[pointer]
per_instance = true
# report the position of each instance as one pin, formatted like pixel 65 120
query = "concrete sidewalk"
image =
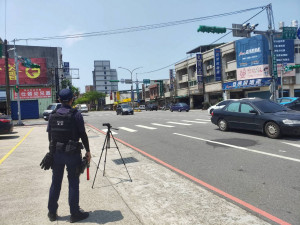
pixel 157 195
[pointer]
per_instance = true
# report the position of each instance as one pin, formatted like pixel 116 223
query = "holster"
pixel 73 147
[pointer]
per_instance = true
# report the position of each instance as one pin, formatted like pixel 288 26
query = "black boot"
pixel 52 216
pixel 80 215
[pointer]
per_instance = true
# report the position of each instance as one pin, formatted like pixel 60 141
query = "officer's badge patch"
pixel 60 123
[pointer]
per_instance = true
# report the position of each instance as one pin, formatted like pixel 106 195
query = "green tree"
pixel 91 97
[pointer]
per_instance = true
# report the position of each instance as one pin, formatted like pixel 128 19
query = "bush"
pixel 205 105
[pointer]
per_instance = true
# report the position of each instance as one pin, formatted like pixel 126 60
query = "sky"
pixel 150 49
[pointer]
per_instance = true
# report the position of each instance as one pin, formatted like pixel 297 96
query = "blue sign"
pixel 218 64
pixel 251 51
pixel 171 79
pixel 284 51
pixel 66 69
pixel 199 68
pixel 260 82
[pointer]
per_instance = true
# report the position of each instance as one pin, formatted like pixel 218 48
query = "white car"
pixel 219 105
pixel 142 107
pixel 82 108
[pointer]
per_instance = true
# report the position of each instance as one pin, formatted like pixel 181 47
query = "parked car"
pixel 151 107
pixel 124 109
pixel 6 124
pixel 219 105
pixel 142 107
pixel 257 114
pixel 290 102
pixel 50 109
pixel 82 108
pixel 166 107
pixel 181 106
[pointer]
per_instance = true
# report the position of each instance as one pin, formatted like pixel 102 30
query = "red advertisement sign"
pixel 30 93
pixel 26 75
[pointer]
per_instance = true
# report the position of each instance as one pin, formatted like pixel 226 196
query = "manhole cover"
pixel 126 160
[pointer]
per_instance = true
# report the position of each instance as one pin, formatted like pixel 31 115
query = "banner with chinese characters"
pixel 218 64
pixel 33 93
pixel 261 82
pixel 26 75
pixel 199 65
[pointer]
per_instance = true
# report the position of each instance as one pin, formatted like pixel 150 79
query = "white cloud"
pixel 71 41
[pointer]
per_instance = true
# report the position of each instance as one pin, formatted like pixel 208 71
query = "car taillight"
pixel 4 120
pixel 212 113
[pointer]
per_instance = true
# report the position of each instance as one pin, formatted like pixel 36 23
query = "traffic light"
pixel 213 29
pixel 17 88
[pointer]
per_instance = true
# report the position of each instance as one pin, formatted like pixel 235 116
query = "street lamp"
pixel 131 71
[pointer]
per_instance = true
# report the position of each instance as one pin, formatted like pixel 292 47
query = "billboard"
pixel 26 75
pixel 199 65
pixel 33 93
pixel 251 51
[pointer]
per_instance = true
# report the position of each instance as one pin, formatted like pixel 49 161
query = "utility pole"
pixel 17 84
pixel 8 111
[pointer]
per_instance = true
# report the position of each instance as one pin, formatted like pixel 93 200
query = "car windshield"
pixel 84 105
pixel 268 106
pixel 183 104
pixel 125 106
pixel 51 107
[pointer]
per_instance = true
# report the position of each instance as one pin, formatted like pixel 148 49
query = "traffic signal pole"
pixel 8 111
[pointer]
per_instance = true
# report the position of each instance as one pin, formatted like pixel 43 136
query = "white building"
pixel 102 75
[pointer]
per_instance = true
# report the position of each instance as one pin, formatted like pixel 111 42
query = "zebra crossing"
pixel 168 124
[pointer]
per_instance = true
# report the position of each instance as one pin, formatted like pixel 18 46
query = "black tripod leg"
pixel 104 144
pixel 107 146
pixel 121 156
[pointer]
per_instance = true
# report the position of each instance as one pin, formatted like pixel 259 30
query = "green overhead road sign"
pixel 289 32
pixel 146 81
pixel 291 67
pixel 114 81
pixel 212 29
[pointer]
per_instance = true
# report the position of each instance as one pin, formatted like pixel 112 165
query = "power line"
pixel 139 28
pixel 152 71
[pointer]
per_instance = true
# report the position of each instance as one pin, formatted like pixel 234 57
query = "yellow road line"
pixel 14 148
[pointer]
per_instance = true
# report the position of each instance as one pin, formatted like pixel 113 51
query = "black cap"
pixel 65 95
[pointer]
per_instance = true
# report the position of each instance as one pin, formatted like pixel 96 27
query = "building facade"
pixel 38 87
pixel 102 75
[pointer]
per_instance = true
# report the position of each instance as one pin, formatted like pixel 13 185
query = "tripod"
pixel 106 146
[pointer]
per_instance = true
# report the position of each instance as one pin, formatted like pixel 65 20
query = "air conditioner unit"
pixel 209 67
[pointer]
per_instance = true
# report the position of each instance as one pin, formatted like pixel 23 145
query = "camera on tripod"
pixel 106 124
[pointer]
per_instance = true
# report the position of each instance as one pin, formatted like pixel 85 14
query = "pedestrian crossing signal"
pixel 17 88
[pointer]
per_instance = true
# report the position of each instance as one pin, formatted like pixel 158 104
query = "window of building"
pixel 105 87
pixel 298 69
pixel 105 77
pixel 297 93
pixel 104 68
pixel 231 75
pixel 297 48
pixel 105 82
pixel 104 72
pixel 209 79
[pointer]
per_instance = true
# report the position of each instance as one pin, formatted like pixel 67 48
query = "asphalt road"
pixel 253 168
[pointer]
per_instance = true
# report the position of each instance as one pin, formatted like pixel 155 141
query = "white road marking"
pixel 127 129
pixel 241 148
pixel 190 121
pixel 186 124
pixel 203 120
pixel 162 125
pixel 150 128
pixel 105 130
pixel 292 144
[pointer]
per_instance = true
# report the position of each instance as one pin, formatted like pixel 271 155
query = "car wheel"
pixel 187 110
pixel 210 111
pixel 272 130
pixel 179 110
pixel 171 110
pixel 223 125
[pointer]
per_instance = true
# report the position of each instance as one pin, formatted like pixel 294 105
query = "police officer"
pixel 65 128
